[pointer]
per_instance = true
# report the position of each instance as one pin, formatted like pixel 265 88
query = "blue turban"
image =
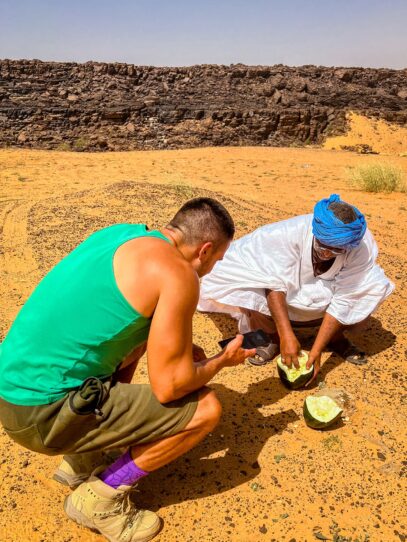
pixel 331 231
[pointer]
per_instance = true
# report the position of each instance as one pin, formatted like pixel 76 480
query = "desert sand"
pixel 383 137
pixel 262 474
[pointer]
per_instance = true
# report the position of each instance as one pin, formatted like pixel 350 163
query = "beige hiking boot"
pixel 75 469
pixel 110 511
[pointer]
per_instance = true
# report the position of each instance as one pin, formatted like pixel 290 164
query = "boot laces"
pixel 124 506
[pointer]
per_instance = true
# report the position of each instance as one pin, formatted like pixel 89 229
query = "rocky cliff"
pixel 100 106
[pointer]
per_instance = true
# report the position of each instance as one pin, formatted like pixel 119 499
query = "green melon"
pixel 321 411
pixel 294 378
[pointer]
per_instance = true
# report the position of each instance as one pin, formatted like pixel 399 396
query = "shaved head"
pixel 201 220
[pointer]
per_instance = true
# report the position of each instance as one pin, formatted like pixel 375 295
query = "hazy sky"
pixel 185 32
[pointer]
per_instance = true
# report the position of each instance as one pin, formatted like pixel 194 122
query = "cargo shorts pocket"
pixel 30 438
pixel 67 428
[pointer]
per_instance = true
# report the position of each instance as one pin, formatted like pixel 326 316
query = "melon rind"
pixel 321 412
pixel 289 376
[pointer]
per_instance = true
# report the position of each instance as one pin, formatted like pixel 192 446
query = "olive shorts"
pixel 131 415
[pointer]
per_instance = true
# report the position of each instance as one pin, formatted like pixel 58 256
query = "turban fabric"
pixel 331 231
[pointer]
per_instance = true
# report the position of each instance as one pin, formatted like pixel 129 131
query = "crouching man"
pixel 312 270
pixel 66 363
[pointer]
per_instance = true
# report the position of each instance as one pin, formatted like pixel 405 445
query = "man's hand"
pixel 290 348
pixel 315 360
pixel 198 353
pixel 233 353
pixel 330 327
pixel 289 345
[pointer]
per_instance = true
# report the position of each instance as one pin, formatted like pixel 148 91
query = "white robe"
pixel 279 257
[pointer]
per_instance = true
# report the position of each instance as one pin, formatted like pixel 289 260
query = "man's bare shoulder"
pixel 146 268
pixel 153 252
pixel 152 256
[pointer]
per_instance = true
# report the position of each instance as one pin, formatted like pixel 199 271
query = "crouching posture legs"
pixel 102 503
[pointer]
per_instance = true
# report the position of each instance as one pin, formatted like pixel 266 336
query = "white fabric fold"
pixel 279 257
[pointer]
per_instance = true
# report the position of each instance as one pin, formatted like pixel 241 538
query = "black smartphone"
pixel 251 339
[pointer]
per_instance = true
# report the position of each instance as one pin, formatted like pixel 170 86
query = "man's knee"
pixel 359 326
pixel 208 412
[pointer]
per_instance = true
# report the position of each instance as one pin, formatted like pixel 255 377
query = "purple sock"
pixel 123 472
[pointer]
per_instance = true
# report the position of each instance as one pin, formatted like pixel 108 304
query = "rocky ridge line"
pixel 102 106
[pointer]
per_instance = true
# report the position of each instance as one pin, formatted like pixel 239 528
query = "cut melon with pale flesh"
pixel 321 411
pixel 292 377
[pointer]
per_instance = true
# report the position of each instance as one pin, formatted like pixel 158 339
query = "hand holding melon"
pixel 290 348
pixel 292 377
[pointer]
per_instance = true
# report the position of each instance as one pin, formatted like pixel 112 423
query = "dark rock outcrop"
pixel 98 106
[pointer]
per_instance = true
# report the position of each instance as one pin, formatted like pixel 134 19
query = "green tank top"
pixel 75 324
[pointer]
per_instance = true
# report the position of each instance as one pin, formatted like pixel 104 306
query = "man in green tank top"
pixel 69 357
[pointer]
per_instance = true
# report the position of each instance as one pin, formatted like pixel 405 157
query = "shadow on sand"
pixel 373 339
pixel 228 457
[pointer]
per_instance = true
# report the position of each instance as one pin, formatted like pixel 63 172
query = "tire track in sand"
pixel 17 261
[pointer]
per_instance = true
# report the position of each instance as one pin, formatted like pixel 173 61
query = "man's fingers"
pixel 316 371
pixel 236 351
pixel 290 359
pixel 240 354
pixel 237 341
pixel 249 353
pixel 286 360
pixel 234 344
pixel 310 381
pixel 311 361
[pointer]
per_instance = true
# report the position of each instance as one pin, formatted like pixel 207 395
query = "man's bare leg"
pixel 341 345
pixel 154 455
pixel 95 502
pixel 258 320
pixel 355 328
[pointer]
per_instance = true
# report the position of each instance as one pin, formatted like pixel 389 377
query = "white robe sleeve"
pixel 268 258
pixel 361 285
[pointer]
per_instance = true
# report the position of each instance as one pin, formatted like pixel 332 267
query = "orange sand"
pixel 383 137
pixel 262 474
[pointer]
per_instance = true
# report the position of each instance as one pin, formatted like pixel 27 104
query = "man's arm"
pixel 329 328
pixel 198 353
pixel 289 345
pixel 172 371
